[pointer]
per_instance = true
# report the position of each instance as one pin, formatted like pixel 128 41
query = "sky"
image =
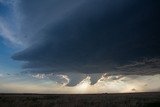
pixel 79 46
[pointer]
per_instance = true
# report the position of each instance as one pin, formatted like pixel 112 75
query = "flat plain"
pixel 81 100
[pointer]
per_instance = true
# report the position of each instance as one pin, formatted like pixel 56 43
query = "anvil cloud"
pixel 88 36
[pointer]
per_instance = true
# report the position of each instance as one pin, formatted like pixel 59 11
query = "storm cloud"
pixel 93 36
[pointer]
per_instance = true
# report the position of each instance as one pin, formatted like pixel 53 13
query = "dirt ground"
pixel 81 100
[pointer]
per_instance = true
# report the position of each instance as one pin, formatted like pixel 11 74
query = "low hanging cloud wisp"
pixel 106 84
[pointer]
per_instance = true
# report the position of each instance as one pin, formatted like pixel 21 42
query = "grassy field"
pixel 80 100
